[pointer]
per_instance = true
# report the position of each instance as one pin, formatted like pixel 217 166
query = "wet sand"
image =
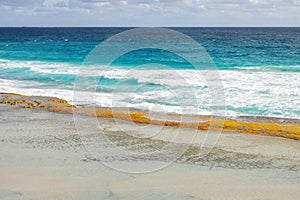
pixel 42 156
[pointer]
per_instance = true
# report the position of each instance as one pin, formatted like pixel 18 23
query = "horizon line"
pixel 177 26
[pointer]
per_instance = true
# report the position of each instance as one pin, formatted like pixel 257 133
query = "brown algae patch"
pixel 288 128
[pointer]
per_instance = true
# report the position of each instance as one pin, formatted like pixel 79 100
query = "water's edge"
pixel 268 126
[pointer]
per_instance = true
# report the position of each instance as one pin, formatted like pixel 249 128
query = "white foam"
pixel 271 93
pixel 41 67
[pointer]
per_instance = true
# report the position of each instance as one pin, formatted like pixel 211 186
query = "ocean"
pixel 258 67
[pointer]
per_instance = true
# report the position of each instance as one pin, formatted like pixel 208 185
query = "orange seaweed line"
pixel 53 104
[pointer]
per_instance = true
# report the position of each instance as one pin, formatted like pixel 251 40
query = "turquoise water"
pixel 259 69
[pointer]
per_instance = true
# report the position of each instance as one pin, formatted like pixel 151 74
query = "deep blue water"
pixel 229 47
pixel 259 68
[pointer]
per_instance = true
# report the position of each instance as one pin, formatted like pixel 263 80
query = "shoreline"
pixel 266 126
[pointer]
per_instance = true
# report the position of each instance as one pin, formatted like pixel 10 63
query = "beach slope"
pixel 42 157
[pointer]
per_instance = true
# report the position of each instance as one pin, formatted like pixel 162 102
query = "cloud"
pixel 62 4
pixel 19 3
pixel 150 12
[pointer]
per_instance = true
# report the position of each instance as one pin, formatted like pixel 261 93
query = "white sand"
pixel 42 157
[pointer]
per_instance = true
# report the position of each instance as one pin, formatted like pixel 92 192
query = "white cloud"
pixel 145 6
pixel 124 3
pixel 256 1
pixel 56 3
pixel 151 12
pixel 297 2
pixel 188 2
pixel 102 3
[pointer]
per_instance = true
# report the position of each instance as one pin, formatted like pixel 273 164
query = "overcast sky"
pixel 149 12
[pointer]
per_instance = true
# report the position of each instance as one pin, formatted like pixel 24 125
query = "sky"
pixel 148 13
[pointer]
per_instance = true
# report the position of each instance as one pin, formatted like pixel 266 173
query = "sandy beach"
pixel 149 100
pixel 44 157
